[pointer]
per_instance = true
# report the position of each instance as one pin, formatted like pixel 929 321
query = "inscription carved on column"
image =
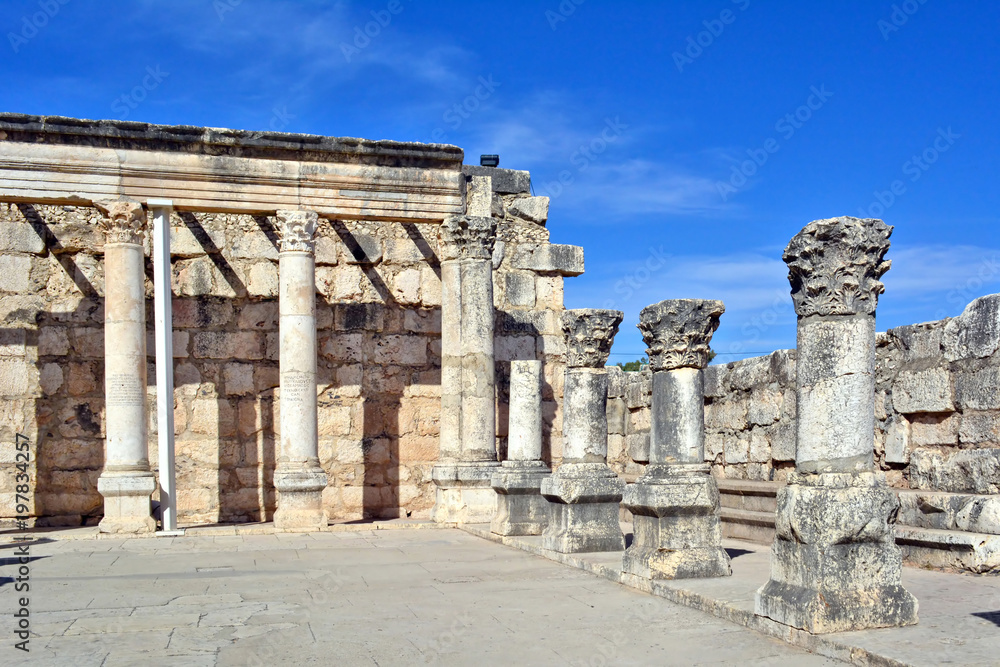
pixel 468 237
pixel 589 334
pixel 296 386
pixel 834 266
pixel 678 332
pixel 297 230
pixel 123 221
pixel 124 390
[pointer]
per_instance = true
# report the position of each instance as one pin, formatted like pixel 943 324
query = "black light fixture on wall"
pixel 489 160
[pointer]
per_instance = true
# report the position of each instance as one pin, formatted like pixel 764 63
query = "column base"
pixel 127 507
pixel 464 493
pixel 835 565
pixel 520 509
pixel 677 530
pixel 300 500
pixel 583 503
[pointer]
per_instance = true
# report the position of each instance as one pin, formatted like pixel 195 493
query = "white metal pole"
pixel 161 209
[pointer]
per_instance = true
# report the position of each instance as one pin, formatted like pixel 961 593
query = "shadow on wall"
pixel 379 369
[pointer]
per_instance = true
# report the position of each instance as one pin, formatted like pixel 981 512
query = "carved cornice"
pixel 678 332
pixel 834 266
pixel 468 237
pixel 123 221
pixel 589 334
pixel 297 230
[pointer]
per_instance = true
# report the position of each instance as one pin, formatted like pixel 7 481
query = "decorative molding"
pixel 834 266
pixel 468 237
pixel 589 334
pixel 678 332
pixel 297 230
pixel 123 221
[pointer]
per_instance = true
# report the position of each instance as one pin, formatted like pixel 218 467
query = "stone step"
pixel 969 512
pixel 748 495
pixel 748 525
pixel 956 549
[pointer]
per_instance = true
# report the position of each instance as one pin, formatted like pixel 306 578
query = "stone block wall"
pixel 937 410
pixel 378 307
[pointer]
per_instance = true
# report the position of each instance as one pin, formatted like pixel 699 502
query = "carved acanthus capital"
pixel 678 332
pixel 834 266
pixel 468 237
pixel 123 221
pixel 589 334
pixel 297 230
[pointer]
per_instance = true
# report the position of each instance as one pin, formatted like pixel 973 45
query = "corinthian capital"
pixel 678 332
pixel 297 230
pixel 468 236
pixel 123 221
pixel 589 333
pixel 834 266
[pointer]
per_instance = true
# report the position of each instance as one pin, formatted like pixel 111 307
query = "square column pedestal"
pixel 464 492
pixel 583 509
pixel 676 524
pixel 520 507
pixel 300 500
pixel 835 565
pixel 127 507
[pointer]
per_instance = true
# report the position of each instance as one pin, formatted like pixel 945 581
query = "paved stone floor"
pixel 387 597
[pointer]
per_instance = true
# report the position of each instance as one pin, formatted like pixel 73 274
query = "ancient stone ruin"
pixel 371 330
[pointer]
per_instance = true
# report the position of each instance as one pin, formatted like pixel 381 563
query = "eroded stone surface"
pixel 678 332
pixel 589 334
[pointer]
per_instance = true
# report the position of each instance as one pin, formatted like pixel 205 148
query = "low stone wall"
pixel 378 300
pixel 937 410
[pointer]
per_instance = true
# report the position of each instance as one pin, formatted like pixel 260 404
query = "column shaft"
pixel 451 360
pixel 524 435
pixel 677 429
pixel 585 420
pixel 478 374
pixel 126 482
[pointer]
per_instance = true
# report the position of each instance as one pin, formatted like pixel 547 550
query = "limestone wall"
pixel 378 296
pixel 937 409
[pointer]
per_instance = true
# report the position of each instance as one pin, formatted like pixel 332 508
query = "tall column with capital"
pixel 468 398
pixel 835 565
pixel 298 477
pixel 675 504
pixel 584 493
pixel 126 483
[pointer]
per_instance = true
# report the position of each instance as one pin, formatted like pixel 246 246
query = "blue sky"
pixel 683 143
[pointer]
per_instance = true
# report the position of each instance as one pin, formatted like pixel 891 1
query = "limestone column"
pixel 126 483
pixel 468 403
pixel 521 510
pixel 298 476
pixel 677 530
pixel 584 493
pixel 835 565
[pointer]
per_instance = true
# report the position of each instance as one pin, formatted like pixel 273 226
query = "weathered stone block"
pixel 737 448
pixel 783 442
pixel 402 350
pixel 638 447
pixel 505 181
pixel 549 292
pixel 507 348
pixel 362 249
pixel 965 471
pixel 238 378
pixel 750 373
pixel 617 414
pixel 326 251
pixel 15 273
pixel 897 441
pixel 979 390
pixel 406 287
pixel 193 241
pixel 923 391
pixel 521 509
pixel 519 288
pixel 765 407
pixel 566 260
pixel 716 381
pixel 934 429
pixel 20 237
pixel 262 280
pixel 979 427
pixel 583 509
pixel 253 245
pixel 532 209
pixel 976 332
pixel 224 345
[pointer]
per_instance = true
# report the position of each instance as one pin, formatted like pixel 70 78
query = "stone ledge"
pixel 950 549
pixel 719 604
pixel 566 260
